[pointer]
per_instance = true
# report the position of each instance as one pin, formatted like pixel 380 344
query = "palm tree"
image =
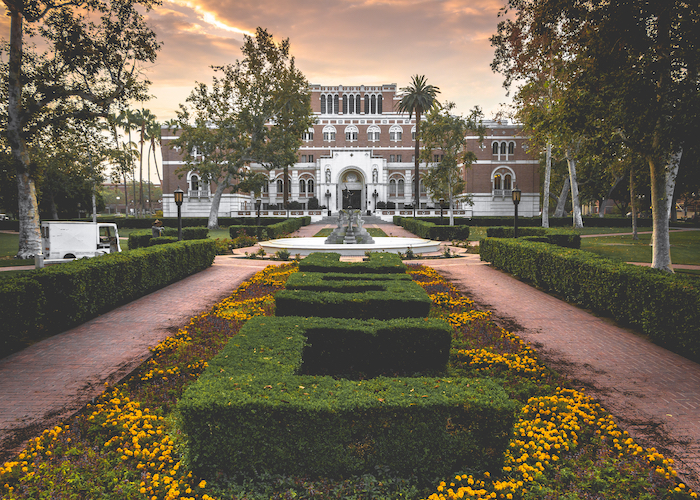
pixel 417 98
pixel 153 134
pixel 142 118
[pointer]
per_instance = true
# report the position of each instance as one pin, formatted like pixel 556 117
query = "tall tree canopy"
pixel 445 135
pixel 255 112
pixel 93 60
pixel 632 70
pixel 418 97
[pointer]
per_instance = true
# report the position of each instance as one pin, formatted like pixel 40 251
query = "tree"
pixel 446 134
pixel 123 153
pixel 256 111
pixel 418 98
pixel 645 72
pixel 89 66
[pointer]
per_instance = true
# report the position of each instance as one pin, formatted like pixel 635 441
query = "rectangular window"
pixel 303 158
pixel 398 158
pixel 311 158
pixel 392 158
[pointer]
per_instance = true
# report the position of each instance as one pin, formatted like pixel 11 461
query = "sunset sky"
pixel 335 42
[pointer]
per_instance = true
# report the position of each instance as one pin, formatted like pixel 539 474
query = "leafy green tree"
pixel 95 50
pixel 639 59
pixel 256 112
pixel 445 134
pixel 418 97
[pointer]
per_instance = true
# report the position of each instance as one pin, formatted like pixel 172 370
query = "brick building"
pixel 360 154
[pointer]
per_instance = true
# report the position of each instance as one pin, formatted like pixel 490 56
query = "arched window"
pixel 503 148
pixel 358 104
pixel 367 108
pixel 395 133
pixel 495 148
pixel 373 133
pixel 392 187
pixel 503 181
pixel 345 104
pixel 506 182
pixel 310 186
pixel 351 104
pixel 374 104
pixel 323 104
pixel 497 181
pixel 329 133
pixel 511 148
pixel 302 186
pixel 379 104
pixel 194 182
pixel 266 187
pixel 335 104
pixel 351 133
pixel 401 187
pixel 422 187
pixel 280 186
pixel 413 133
pixel 308 135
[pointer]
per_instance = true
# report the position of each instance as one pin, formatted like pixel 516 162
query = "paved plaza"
pixel 653 393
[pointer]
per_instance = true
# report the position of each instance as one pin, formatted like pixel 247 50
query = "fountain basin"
pixel 306 246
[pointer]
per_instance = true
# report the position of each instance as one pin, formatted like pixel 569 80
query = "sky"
pixel 334 42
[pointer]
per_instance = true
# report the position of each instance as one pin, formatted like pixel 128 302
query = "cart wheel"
pixel 69 256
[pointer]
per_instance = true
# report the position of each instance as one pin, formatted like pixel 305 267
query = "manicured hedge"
pixel 665 307
pixel 270 231
pixel 535 221
pixel 162 240
pixel 432 231
pixel 396 299
pixel 378 262
pixel 251 413
pixel 58 297
pixel 140 239
pixel 561 237
pixel 337 282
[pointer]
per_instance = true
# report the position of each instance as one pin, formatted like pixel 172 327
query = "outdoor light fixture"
pixel 442 200
pixel 516 200
pixel 179 195
pixel 258 202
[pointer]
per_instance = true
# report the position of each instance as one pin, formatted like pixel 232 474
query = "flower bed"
pixel 123 446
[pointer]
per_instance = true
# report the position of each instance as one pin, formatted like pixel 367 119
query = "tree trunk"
pixel 561 203
pixel 155 162
pixel 416 173
pixel 213 222
pixel 547 182
pixel 633 206
pixel 663 181
pixel 29 225
pixel 141 205
pixel 575 204
pixel 449 193
pixel 126 197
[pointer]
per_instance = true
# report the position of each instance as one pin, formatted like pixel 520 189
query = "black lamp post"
pixel 258 202
pixel 375 195
pixel 442 200
pixel 179 196
pixel 516 200
pixel 328 202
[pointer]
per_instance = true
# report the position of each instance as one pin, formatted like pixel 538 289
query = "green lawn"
pixel 685 247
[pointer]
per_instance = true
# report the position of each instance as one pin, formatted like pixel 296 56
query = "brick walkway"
pixel 654 394
pixel 51 380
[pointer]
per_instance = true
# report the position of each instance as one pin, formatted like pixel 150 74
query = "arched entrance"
pixel 351 189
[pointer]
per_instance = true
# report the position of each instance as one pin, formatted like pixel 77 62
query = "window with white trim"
pixel 329 133
pixel 373 133
pixel 351 133
pixel 395 133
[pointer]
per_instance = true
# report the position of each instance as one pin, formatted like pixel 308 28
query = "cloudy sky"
pixel 335 42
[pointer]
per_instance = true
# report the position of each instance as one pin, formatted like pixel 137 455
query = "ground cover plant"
pixel 685 247
pixel 563 445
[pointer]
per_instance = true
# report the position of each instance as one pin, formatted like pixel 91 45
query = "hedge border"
pixel 663 306
pixel 250 413
pixel 47 301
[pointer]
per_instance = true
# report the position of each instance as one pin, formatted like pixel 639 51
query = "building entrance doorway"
pixel 352 198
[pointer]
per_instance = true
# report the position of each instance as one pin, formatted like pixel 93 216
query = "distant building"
pixel 361 152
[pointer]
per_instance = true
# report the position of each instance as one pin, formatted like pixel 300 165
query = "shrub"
pixel 378 262
pixel 433 231
pixel 162 240
pixel 55 298
pixel 251 412
pixel 663 306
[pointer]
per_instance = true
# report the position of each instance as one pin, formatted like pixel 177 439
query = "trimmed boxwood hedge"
pixel 269 231
pixel 342 282
pixel 536 221
pixel 251 413
pixel 432 231
pixel 663 306
pixel 142 238
pixel 55 298
pixel 329 262
pixel 561 237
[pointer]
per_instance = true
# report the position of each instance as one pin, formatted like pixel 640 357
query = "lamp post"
pixel 375 195
pixel 328 202
pixel 442 200
pixel 516 200
pixel 179 196
pixel 258 202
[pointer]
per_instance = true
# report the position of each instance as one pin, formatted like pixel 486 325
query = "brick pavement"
pixel 653 393
pixel 51 380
